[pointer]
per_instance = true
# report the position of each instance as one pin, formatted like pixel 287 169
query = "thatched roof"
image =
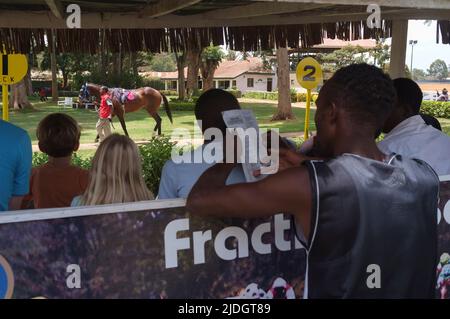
pixel 163 40
pixel 173 25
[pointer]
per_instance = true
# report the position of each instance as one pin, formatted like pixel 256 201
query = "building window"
pixel 224 85
pixel 250 83
pixel 234 85
pixel 173 85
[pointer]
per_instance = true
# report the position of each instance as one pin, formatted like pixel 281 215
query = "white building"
pixel 246 75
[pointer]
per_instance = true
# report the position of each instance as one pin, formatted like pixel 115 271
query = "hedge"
pixel 273 96
pixel 436 109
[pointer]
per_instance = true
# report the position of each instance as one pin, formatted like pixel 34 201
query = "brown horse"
pixel 145 97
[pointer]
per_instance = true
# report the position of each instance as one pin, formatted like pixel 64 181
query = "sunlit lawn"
pixel 140 125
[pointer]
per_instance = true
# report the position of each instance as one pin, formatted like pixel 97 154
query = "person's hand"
pixel 287 158
pixel 307 146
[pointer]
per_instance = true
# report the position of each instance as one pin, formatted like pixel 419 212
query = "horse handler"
pixel 105 114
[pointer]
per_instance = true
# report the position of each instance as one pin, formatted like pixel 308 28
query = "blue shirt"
pixel 177 179
pixel 15 163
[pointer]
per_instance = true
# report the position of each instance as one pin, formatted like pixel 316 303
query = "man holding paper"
pixel 368 219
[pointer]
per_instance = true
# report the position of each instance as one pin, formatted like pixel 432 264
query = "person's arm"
pixel 21 185
pixel 287 192
pixel 168 184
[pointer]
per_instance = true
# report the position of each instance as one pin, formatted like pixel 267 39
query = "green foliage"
pixel 301 97
pixel 42 158
pixel 214 54
pixel 438 69
pixel 169 92
pixel 157 84
pixel 419 74
pixel 163 62
pixel 436 109
pixel 154 155
pixel 342 57
pixel 39 159
pixel 273 96
pixel 381 53
pixel 82 162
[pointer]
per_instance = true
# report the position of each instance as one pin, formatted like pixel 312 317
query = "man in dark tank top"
pixel 368 219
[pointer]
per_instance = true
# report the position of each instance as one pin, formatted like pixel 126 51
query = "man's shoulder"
pixel 12 130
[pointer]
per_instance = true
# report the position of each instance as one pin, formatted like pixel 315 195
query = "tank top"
pixel 373 228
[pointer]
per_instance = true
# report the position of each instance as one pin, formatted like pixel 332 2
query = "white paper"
pixel 245 119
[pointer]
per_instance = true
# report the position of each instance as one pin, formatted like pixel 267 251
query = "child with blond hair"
pixel 116 174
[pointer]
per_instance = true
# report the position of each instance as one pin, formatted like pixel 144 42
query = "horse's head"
pixel 92 89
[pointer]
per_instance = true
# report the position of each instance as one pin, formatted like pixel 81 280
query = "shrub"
pixel 42 158
pixel 301 97
pixel 176 105
pixel 436 109
pixel 154 155
pixel 169 92
pixel 235 92
pixel 273 96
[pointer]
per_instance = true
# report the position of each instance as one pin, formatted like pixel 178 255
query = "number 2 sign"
pixel 309 73
pixel 309 76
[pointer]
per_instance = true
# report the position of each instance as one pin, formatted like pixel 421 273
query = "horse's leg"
pixel 120 113
pixel 158 122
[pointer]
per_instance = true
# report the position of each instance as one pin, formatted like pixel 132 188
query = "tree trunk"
pixel 284 110
pixel 207 70
pixel 54 69
pixel 193 63
pixel 103 59
pixel 181 63
pixel 28 83
pixel 18 98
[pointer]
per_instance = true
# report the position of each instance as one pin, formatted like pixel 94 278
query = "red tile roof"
pixel 226 70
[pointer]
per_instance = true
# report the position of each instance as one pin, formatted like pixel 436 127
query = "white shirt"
pixel 415 139
pixel 177 179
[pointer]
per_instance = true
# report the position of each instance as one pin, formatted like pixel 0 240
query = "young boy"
pixel 103 125
pixel 57 182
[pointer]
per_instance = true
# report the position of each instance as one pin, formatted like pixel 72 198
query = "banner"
pixel 156 250
pixel 443 267
pixel 155 253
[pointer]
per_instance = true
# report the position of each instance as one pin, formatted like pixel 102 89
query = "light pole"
pixel 412 43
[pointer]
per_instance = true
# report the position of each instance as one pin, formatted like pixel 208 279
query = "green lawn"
pixel 140 125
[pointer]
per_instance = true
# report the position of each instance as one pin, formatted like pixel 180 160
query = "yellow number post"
pixel 13 68
pixel 309 76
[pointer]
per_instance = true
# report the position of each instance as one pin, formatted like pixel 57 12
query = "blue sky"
pixel 426 50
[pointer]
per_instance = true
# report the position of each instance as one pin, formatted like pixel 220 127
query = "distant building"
pixel 245 75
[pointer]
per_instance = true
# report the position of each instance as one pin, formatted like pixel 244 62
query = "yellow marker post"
pixel 13 68
pixel 5 103
pixel 309 76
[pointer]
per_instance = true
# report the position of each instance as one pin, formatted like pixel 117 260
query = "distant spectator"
pixel 178 178
pixel 116 174
pixel 15 166
pixel 407 133
pixel 43 94
pixel 444 96
pixel 431 120
pixel 57 182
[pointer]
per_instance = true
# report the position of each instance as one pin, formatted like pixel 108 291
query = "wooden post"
pixel 398 48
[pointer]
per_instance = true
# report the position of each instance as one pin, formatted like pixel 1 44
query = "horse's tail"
pixel 167 107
